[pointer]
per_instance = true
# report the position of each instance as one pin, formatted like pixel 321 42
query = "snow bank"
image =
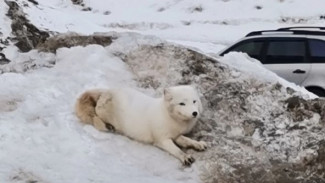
pixel 41 139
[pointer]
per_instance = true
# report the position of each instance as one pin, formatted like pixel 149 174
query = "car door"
pixel 287 58
pixel 316 77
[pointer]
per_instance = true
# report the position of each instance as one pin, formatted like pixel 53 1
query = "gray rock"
pixel 257 131
pixel 73 39
pixel 26 35
pixel 3 59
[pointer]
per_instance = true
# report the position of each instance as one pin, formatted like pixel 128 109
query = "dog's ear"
pixel 193 85
pixel 167 94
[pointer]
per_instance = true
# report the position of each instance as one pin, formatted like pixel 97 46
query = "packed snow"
pixel 40 137
pixel 40 133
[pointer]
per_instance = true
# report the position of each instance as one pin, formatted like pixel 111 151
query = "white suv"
pixel 295 53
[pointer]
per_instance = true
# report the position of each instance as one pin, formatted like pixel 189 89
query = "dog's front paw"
pixel 200 146
pixel 187 160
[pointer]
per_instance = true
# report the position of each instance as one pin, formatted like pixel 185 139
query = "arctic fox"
pixel 158 121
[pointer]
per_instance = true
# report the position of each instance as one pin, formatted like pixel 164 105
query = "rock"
pixel 27 36
pixel 73 39
pixel 27 177
pixel 257 131
pixel 77 2
pixel 33 1
pixel 303 109
pixel 3 59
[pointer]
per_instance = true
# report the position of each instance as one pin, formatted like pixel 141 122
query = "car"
pixel 297 54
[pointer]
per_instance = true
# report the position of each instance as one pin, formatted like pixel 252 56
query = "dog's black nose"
pixel 194 114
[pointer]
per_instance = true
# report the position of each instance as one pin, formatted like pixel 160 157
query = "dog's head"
pixel 183 102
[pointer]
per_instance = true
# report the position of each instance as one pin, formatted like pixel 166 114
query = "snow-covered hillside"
pixel 257 130
pixel 208 24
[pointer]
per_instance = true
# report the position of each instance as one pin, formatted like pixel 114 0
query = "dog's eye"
pixel 181 103
pixel 194 101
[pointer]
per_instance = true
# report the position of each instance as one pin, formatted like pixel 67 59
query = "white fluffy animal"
pixel 158 121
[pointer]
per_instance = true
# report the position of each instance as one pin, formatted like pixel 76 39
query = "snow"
pixel 5 28
pixel 219 22
pixel 40 136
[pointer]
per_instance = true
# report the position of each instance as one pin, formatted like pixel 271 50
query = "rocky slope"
pixel 257 131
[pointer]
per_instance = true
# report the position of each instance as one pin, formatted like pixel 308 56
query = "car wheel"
pixel 317 91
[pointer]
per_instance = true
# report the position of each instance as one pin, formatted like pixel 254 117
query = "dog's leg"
pixel 169 146
pixel 187 142
pixel 99 124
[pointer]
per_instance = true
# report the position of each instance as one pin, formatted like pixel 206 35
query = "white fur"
pixel 159 121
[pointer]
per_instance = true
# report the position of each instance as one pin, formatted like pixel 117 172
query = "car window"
pixel 283 52
pixel 252 48
pixel 317 51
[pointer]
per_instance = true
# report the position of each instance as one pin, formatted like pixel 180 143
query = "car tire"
pixel 317 91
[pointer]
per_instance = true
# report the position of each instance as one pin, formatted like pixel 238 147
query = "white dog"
pixel 158 121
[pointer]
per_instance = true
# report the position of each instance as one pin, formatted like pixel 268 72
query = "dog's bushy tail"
pixel 86 104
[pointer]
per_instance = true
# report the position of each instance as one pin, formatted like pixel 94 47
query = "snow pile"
pixel 22 62
pixel 41 139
